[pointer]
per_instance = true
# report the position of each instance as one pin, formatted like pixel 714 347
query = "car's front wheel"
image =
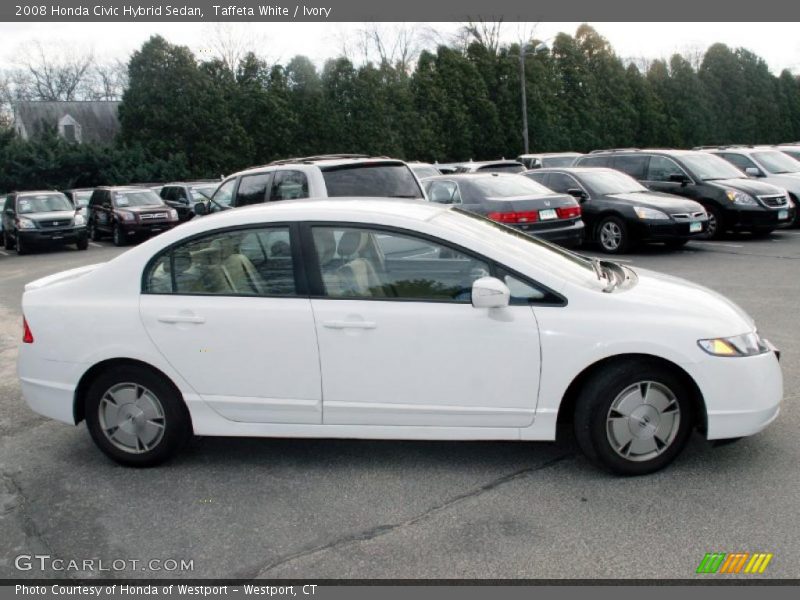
pixel 634 417
pixel 714 228
pixel 93 231
pixel 82 243
pixel 612 235
pixel 22 247
pixel 136 417
pixel 118 235
pixel 8 243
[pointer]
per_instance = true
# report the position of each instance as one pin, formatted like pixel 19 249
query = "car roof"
pixel 124 188
pixel 37 192
pixel 471 176
pixel 550 154
pixel 322 162
pixel 625 151
pixel 576 170
pixel 742 149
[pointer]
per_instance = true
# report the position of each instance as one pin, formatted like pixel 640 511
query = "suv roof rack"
pixel 311 159
pixel 615 150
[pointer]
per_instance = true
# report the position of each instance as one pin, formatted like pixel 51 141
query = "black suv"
pixel 41 218
pixel 732 200
pixel 183 196
pixel 125 212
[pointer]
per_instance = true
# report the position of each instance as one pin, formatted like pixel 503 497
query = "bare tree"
pixel 394 44
pixel 107 81
pixel 230 42
pixel 694 54
pixel 482 32
pixel 50 74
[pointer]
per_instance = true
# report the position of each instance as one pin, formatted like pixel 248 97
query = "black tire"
pixel 595 425
pixel 796 220
pixel 22 247
pixel 93 232
pixel 714 230
pixel 619 242
pixel 82 243
pixel 176 421
pixel 676 244
pixel 8 243
pixel 118 235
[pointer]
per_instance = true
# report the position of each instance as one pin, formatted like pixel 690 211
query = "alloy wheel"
pixel 610 235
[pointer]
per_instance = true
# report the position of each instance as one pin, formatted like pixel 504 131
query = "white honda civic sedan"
pixel 390 319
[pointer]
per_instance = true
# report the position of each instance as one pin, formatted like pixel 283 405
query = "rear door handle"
pixel 182 319
pixel 350 324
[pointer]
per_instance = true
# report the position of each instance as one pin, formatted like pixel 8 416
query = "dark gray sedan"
pixel 513 200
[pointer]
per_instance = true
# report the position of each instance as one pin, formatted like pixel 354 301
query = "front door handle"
pixel 182 319
pixel 350 324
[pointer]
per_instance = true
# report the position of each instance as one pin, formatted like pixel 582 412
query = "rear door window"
pixel 595 161
pixel 635 166
pixel 381 180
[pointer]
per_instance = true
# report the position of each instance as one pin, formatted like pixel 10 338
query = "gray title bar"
pixel 408 10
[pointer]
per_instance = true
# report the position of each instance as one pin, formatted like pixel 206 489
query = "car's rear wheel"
pixel 118 235
pixel 93 232
pixel 612 235
pixel 136 417
pixel 633 418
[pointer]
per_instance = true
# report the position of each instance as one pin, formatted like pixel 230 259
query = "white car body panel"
pixel 85 316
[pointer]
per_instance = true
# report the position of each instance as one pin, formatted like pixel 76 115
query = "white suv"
pixel 318 177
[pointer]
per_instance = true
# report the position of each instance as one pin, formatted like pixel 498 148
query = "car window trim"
pixel 316 287
pixel 298 269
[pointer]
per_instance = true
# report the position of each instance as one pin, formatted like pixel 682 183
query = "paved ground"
pixel 320 508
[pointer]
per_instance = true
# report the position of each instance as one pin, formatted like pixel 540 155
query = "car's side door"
pixel 236 323
pixel 104 211
pixel 223 196
pixel 400 342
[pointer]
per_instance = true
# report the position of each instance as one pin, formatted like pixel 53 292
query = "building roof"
pixel 98 119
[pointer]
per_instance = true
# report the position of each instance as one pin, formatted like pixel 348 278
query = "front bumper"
pixel 565 233
pixel 742 395
pixel 648 230
pixel 135 228
pixel 41 237
pixel 761 218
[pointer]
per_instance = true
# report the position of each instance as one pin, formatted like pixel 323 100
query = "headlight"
pixel 173 214
pixel 740 198
pixel 24 223
pixel 747 344
pixel 649 213
pixel 80 220
pixel 125 215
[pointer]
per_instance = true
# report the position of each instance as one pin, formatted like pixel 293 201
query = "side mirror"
pixel 200 209
pixel 577 193
pixel 753 172
pixel 679 178
pixel 490 292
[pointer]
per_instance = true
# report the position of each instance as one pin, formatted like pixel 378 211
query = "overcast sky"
pixel 777 43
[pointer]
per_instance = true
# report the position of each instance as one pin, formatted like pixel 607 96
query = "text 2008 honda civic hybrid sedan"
pixel 361 318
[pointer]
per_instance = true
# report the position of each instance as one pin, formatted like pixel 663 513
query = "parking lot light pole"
pixel 523 52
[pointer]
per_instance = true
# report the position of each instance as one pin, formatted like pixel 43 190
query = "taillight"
pixel 569 212
pixel 27 336
pixel 528 216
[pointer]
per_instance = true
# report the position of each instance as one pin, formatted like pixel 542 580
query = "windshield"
pixel 794 154
pixel 137 198
pixel 545 255
pixel 777 162
pixel 602 182
pixel 36 203
pixel 509 187
pixel 387 180
pixel 707 166
pixel 203 193
pixel 423 171
pixel 502 168
pixel 559 161
pixel 82 198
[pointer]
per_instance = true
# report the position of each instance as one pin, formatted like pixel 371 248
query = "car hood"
pixel 55 215
pixel 788 181
pixel 668 203
pixel 144 209
pixel 675 298
pixel 749 186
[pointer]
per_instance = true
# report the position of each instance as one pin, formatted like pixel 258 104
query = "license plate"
pixel 695 227
pixel 783 214
pixel 549 213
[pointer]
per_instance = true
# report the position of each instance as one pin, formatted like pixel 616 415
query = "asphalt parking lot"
pixel 380 509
